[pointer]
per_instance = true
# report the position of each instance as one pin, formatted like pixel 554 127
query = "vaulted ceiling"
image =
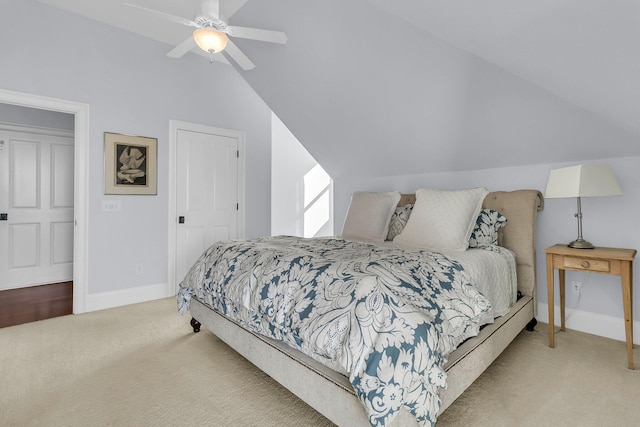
pixel 378 87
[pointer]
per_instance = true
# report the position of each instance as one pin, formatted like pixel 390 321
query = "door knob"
pixel 180 220
pixel 4 217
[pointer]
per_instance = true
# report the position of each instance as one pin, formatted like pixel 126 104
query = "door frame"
pixel 174 127
pixel 80 181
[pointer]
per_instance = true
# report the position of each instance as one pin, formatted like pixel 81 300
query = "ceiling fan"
pixel 212 32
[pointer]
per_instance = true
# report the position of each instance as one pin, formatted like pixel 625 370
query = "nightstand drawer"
pixel 587 264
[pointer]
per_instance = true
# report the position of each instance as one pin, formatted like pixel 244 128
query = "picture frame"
pixel 130 164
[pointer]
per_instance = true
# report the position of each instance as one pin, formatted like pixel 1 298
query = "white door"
pixel 36 194
pixel 207 193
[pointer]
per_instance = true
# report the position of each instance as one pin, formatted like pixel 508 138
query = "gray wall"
pixel 131 87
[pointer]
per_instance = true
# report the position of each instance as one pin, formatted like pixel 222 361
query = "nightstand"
pixel 613 261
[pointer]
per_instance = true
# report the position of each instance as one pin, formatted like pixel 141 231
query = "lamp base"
pixel 580 244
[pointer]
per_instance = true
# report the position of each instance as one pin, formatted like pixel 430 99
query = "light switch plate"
pixel 111 206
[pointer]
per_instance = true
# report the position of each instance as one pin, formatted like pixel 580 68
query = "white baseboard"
pixel 103 300
pixel 591 323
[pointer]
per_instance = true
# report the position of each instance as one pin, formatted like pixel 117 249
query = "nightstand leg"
pixel 627 302
pixel 550 296
pixel 561 286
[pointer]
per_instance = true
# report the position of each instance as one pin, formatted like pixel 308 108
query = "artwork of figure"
pixel 132 168
pixel 130 164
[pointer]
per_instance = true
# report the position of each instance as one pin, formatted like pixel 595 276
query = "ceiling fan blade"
pixel 167 16
pixel 210 9
pixel 237 55
pixel 258 34
pixel 182 48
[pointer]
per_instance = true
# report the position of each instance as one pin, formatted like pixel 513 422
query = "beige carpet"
pixel 142 365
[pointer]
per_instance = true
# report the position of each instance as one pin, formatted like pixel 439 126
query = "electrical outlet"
pixel 576 287
pixel 139 269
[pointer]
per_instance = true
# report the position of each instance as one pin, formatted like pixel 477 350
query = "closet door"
pixel 207 193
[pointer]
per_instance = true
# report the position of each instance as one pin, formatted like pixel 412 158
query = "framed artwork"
pixel 130 164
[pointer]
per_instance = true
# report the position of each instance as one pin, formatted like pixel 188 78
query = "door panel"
pixel 24 243
pixel 206 193
pixel 36 191
pixel 62 242
pixel 24 157
pixel 62 163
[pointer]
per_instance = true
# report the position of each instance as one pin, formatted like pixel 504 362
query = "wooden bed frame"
pixel 330 393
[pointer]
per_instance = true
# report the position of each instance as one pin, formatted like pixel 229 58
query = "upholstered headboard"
pixel 520 207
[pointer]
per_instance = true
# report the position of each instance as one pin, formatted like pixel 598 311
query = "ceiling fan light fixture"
pixel 210 40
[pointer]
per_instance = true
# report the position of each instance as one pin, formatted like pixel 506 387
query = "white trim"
pixel 174 126
pixel 81 181
pixel 38 130
pixel 111 299
pixel 591 323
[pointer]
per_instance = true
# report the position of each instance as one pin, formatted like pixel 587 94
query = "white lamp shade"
pixel 210 40
pixel 582 181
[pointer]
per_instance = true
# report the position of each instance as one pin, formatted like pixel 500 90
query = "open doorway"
pixel 36 214
pixel 80 114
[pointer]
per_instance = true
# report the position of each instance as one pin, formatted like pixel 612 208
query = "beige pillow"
pixel 369 215
pixel 442 220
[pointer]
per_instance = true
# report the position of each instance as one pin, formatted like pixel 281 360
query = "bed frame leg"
pixel 531 325
pixel 195 325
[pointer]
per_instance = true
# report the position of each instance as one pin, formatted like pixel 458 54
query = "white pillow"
pixel 369 215
pixel 442 220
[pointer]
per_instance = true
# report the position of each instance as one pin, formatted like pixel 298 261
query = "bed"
pixel 330 390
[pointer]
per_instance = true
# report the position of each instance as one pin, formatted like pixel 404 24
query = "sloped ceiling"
pixel 583 50
pixel 380 88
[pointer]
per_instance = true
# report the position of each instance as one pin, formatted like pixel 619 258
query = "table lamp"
pixel 581 181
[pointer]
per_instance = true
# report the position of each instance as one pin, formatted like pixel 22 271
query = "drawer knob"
pixel 585 264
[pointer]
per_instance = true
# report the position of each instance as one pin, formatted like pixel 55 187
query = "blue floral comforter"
pixel 386 317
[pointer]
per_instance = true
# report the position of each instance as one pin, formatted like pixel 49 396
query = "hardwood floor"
pixel 25 305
